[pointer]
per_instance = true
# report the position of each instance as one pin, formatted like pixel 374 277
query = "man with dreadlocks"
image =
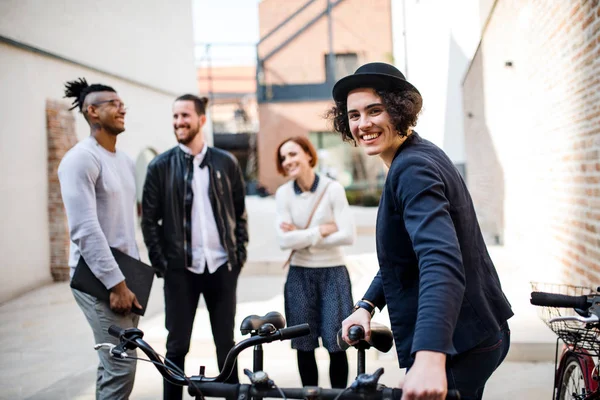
pixel 98 189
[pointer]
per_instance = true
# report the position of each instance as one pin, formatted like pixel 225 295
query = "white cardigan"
pixel 313 250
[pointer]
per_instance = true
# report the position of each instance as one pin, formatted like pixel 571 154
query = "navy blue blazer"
pixel 435 274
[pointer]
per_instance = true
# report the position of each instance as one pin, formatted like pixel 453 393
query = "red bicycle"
pixel 573 314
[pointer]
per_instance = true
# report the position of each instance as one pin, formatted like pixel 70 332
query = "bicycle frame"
pixel 576 370
pixel 588 367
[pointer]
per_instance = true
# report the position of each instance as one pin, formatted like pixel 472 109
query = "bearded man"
pixel 195 228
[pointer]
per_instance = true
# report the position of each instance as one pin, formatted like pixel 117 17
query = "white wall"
pixel 150 41
pixel 441 37
pixel 27 80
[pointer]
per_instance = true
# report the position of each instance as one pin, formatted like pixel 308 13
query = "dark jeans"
pixel 182 293
pixel 469 371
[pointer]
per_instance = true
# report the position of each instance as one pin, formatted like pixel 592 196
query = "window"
pixel 345 64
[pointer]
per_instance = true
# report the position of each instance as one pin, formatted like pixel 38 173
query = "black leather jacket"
pixel 163 209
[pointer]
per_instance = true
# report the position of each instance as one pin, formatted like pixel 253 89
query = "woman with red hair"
pixel 313 221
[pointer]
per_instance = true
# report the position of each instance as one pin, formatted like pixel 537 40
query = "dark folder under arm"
pixel 138 277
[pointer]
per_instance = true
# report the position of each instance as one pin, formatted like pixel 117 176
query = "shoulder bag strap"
pixel 309 220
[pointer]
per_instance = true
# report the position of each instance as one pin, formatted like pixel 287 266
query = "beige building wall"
pixel 111 43
pixel 149 41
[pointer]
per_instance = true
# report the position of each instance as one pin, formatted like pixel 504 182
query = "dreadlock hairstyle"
pixel 200 103
pixel 79 89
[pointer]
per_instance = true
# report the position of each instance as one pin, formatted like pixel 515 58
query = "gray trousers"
pixel 115 377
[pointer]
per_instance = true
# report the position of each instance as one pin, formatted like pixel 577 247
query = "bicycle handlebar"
pixel 356 332
pixel 559 300
pixel 116 331
pixel 592 319
pixel 133 337
pixel 214 387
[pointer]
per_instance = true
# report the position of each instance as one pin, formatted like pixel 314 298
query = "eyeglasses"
pixel 117 103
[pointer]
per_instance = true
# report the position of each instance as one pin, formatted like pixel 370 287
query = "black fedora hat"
pixel 376 75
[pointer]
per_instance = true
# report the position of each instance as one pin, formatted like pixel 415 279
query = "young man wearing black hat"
pixel 97 184
pixel 446 306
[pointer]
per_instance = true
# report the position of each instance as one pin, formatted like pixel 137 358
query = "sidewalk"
pixel 47 353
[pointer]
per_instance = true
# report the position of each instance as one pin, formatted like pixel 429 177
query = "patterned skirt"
pixel 321 297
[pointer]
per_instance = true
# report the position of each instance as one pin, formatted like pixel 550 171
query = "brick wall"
pixel 61 137
pixel 357 28
pixel 532 133
pixel 279 121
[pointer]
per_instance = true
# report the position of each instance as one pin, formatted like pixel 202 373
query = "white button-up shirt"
pixel 207 250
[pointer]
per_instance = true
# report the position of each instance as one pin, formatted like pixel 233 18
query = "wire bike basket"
pixel 574 333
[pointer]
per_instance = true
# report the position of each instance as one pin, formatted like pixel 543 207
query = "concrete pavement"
pixel 46 344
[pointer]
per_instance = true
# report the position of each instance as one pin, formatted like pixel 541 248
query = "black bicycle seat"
pixel 381 338
pixel 252 323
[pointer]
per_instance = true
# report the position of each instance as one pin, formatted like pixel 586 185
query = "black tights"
pixel 338 369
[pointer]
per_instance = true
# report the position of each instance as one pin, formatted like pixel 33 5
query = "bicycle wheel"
pixel 573 381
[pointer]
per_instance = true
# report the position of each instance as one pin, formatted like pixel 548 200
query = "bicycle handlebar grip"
pixel 356 332
pixel 294 331
pixel 115 331
pixel 559 300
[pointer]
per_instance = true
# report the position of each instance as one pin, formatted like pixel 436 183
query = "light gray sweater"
pixel 311 249
pixel 98 190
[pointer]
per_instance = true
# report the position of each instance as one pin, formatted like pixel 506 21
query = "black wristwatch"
pixel 365 304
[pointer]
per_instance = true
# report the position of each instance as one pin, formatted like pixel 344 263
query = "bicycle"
pixel 565 309
pixel 365 387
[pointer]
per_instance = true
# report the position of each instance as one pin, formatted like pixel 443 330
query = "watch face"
pixel 260 377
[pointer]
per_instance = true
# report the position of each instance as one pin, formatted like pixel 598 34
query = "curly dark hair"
pixel 403 108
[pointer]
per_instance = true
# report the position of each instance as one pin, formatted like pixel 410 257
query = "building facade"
pixel 532 125
pixel 434 42
pixel 231 91
pixel 305 47
pixel 431 42
pixel 45 44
